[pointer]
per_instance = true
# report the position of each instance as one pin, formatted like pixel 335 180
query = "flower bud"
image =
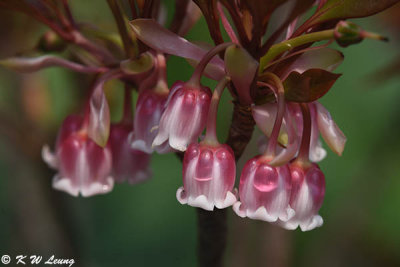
pixel 208 177
pixel 185 116
pixel 51 42
pixel 129 164
pixel 347 33
pixel 264 192
pixel 308 190
pixel 84 167
pixel 149 108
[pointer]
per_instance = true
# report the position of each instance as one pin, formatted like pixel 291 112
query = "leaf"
pixel 309 85
pixel 99 119
pixel 242 68
pixel 324 58
pixel 262 9
pixel 342 9
pixel 293 11
pixel 160 39
pixel 25 64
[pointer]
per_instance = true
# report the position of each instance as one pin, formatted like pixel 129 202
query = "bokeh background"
pixel 144 225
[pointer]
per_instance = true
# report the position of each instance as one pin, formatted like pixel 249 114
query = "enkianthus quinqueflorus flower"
pixel 209 168
pixel 185 115
pixel 186 110
pixel 129 164
pixel 265 189
pixel 150 105
pixel 308 183
pixel 308 190
pixel 84 167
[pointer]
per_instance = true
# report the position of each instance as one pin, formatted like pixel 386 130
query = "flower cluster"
pixel 275 81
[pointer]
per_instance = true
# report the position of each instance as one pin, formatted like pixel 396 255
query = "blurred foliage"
pixel 144 225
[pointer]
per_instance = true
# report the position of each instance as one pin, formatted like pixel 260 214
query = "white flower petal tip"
pixel 64 184
pixel 238 211
pixel 318 153
pixel 180 145
pixel 230 199
pixel 308 225
pixel 315 222
pixel 181 148
pixel 262 214
pixel 98 188
pixel 159 140
pixel 49 157
pixel 203 202
pixel 141 145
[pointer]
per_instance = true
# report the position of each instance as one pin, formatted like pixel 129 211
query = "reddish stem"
pixel 305 139
pixel 211 131
pixel 280 97
pixel 227 26
pixel 198 72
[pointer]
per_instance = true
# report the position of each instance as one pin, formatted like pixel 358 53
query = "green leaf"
pixel 343 9
pixel 242 68
pixel 308 86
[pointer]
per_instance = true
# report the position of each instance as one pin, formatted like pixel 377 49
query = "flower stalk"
pixel 198 72
pixel 211 131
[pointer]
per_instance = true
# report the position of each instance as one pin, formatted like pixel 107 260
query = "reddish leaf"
pixel 26 64
pixel 342 9
pixel 160 39
pixel 325 58
pixel 308 86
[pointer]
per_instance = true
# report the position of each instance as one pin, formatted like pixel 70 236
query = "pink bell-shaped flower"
pixel 149 108
pixel 187 107
pixel 308 190
pixel 129 164
pixel 185 115
pixel 209 168
pixel 153 95
pixel 208 177
pixel 264 191
pixel 84 167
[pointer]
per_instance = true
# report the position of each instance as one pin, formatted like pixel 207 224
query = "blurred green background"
pixel 144 225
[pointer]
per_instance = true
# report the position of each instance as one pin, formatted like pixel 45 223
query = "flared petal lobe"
pixel 208 177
